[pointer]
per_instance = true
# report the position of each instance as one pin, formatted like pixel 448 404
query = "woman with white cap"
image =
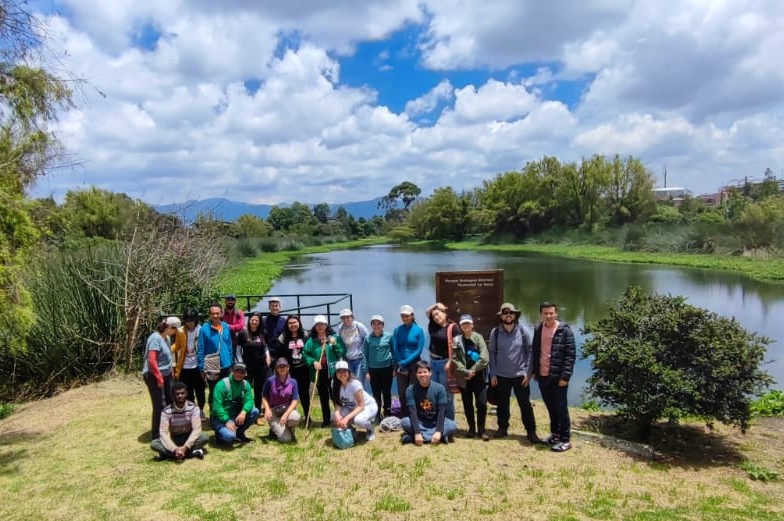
pixel 322 350
pixel 408 340
pixel 353 334
pixel 353 405
pixel 378 356
pixel 471 358
pixel 157 370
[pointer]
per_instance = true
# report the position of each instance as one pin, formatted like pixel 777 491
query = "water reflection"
pixel 382 278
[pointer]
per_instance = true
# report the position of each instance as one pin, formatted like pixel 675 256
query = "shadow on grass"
pixel 674 444
pixel 9 456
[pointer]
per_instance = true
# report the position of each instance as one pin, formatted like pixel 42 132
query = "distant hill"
pixel 226 210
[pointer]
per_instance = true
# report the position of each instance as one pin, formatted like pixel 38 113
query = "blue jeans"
pixel 357 367
pixel 225 435
pixel 439 375
pixel 427 432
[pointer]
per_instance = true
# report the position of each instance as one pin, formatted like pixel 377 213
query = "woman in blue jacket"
pixel 408 340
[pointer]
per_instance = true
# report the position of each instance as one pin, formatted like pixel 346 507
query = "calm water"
pixel 382 278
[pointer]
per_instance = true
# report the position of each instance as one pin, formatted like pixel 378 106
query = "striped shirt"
pixel 177 422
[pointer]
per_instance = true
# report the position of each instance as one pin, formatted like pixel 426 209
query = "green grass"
pixel 6 409
pixel 770 270
pixel 255 276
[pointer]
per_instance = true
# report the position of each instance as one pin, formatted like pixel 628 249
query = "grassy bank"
pixel 90 459
pixel 255 276
pixel 769 270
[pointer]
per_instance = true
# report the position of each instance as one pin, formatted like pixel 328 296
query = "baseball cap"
pixel 174 322
pixel 376 318
pixel 406 310
pixel 320 319
pixel 281 362
pixel 231 296
pixel 466 319
pixel 346 313
pixel 240 367
pixel 341 364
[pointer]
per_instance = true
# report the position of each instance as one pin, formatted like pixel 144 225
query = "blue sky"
pixel 335 101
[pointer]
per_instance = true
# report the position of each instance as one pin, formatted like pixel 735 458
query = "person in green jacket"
pixel 471 358
pixel 232 408
pixel 322 350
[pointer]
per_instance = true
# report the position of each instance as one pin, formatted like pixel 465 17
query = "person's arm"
pixel 195 429
pixel 218 400
pixel 359 396
pixel 200 350
pixel 493 352
pixel 420 339
pixel 308 354
pixel 338 348
pixel 458 355
pixel 247 405
pixel 152 364
pixel 180 342
pixel 164 435
pixel 238 324
pixel 394 346
pixel 294 401
pixel 570 354
pixel 484 354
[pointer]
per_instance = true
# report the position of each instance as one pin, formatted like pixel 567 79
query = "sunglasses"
pixel 507 312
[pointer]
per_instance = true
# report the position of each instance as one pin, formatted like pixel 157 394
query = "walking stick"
pixel 315 384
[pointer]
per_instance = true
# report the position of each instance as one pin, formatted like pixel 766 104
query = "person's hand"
pixel 367 377
pixel 231 426
pixel 160 384
pixel 436 438
pixel 179 452
pixel 419 439
pixel 448 365
pixel 343 423
pixel 284 417
pixel 267 414
pixel 240 418
pixel 317 366
pixel 493 381
pixel 332 340
pixel 268 360
pixel 563 383
pixel 526 381
pixel 470 375
pixel 204 376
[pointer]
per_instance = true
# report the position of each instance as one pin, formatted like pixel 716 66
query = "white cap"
pixel 174 322
pixel 341 364
pixel 376 318
pixel 274 299
pixel 346 313
pixel 406 310
pixel 320 319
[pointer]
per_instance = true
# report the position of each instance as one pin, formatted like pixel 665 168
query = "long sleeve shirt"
pixel 176 422
pixel 407 344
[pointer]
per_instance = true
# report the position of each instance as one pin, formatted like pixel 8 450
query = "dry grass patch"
pixel 85 455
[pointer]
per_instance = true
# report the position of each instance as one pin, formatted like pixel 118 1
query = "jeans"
pixel 427 431
pixel 225 435
pixel 523 395
pixel 439 375
pixel 160 398
pixel 555 400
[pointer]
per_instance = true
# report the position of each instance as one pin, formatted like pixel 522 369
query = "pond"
pixel 382 278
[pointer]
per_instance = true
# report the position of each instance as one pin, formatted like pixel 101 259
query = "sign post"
pixel 479 293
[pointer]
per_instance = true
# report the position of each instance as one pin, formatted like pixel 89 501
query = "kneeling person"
pixel 280 397
pixel 232 407
pixel 427 402
pixel 353 405
pixel 180 434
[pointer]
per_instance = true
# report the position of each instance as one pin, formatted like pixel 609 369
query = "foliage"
pixel 404 193
pixel 655 356
pixel 252 226
pixel 6 409
pixel 444 215
pixel 769 404
pixel 758 472
pixel 666 214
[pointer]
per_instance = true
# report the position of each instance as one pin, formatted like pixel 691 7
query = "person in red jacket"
pixel 235 318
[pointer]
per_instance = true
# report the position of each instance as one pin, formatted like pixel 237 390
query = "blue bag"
pixel 342 438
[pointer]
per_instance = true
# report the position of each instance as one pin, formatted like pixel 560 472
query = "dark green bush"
pixel 655 356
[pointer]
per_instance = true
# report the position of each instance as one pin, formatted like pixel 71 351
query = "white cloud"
pixel 430 100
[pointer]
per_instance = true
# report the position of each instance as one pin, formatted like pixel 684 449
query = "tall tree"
pixel 404 193
pixel 321 212
pixel 30 99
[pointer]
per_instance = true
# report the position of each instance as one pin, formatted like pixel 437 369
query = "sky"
pixel 264 101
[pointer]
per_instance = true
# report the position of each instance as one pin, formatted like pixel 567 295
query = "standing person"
pixel 353 405
pixel 471 358
pixel 408 341
pixel 180 433
pixel 214 350
pixel 322 350
pixel 235 318
pixel 438 328
pixel 280 397
pixel 187 368
pixel 511 369
pixel 274 323
pixel 378 356
pixel 255 354
pixel 353 334
pixel 554 353
pixel 290 345
pixel 232 407
pixel 158 369
pixel 426 401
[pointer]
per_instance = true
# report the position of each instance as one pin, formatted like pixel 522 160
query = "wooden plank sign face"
pixel 479 293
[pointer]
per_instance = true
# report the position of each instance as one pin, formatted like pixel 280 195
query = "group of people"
pixel 262 368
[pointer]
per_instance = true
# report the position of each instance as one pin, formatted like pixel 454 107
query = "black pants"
pixel 301 374
pixel 381 384
pixel 196 386
pixel 475 390
pixel 523 395
pixel 555 400
pixel 403 381
pixel 160 398
pixel 322 384
pixel 257 373
pixel 226 371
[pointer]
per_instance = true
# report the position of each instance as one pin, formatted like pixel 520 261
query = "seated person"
pixel 180 434
pixel 427 402
pixel 232 407
pixel 353 405
pixel 280 397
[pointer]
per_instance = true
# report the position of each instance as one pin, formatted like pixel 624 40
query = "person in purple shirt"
pixel 280 397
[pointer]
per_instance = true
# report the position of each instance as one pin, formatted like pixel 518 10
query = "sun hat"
pixel 511 307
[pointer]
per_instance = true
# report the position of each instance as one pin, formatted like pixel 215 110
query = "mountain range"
pixel 227 210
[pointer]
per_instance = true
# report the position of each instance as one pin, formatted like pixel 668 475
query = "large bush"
pixel 655 356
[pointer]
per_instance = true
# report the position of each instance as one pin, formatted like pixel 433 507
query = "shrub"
pixel 655 356
pixel 769 404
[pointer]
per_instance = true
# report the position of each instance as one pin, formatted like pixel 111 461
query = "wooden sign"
pixel 479 293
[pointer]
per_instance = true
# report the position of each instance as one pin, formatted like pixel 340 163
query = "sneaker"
pixel 371 435
pixel 325 424
pixel 406 439
pixel 243 439
pixel 500 433
pixel 260 421
pixel 471 433
pixel 552 439
pixel 198 453
pixel 561 446
pixel 533 438
pixel 484 436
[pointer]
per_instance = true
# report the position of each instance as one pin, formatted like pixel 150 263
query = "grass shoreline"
pixel 765 270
